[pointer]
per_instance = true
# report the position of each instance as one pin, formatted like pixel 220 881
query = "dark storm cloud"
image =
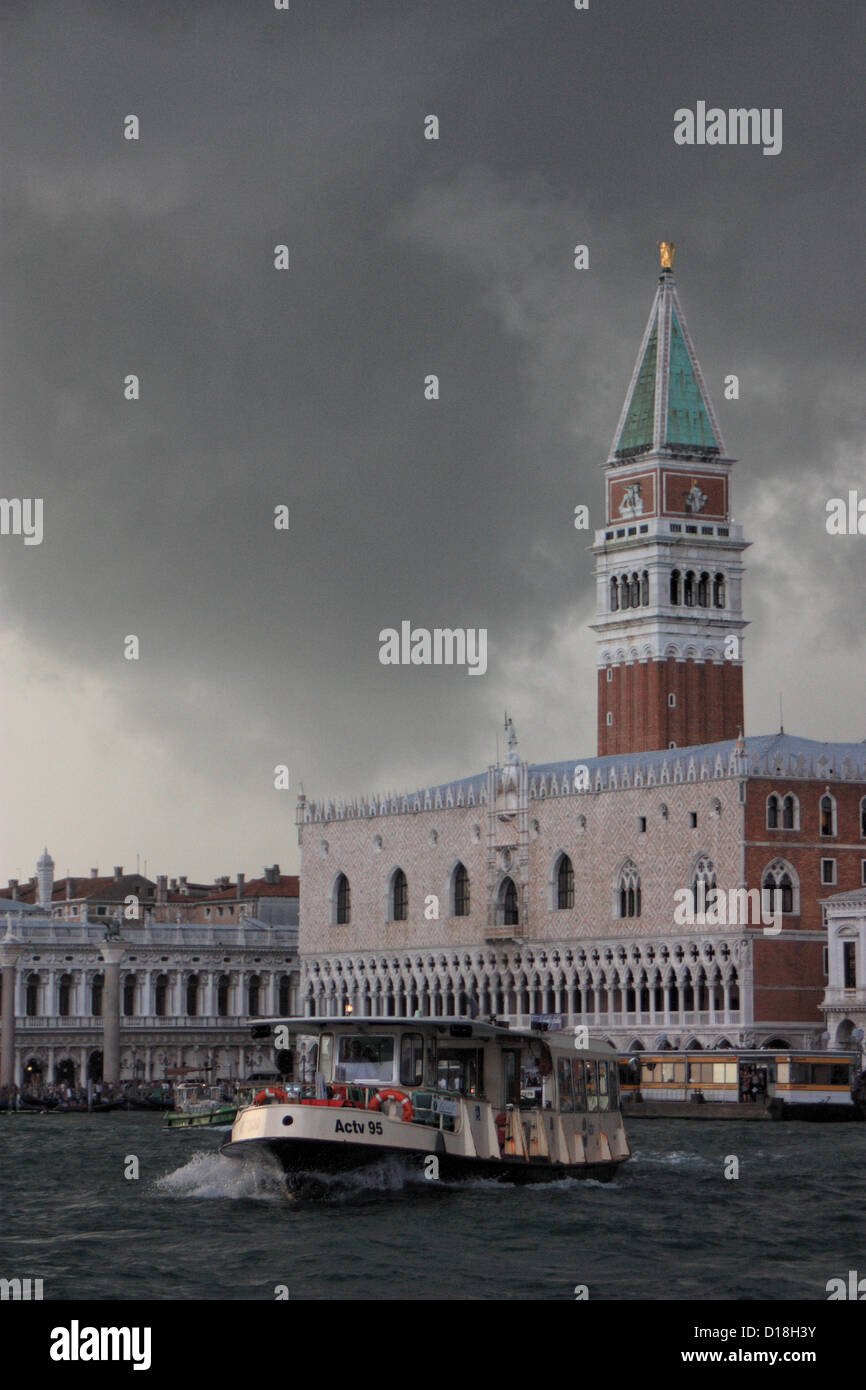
pixel 407 257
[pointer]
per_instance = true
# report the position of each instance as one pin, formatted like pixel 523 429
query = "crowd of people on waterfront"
pixel 60 1095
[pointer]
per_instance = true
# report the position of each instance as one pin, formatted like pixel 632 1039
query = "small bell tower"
pixel 668 569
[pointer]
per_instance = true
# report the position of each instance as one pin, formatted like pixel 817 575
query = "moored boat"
pixel 198 1106
pixel 742 1084
pixel 477 1098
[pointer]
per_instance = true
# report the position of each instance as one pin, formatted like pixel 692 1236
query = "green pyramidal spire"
pixel 667 406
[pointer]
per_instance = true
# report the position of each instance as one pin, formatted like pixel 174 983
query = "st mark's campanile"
pixel 669 566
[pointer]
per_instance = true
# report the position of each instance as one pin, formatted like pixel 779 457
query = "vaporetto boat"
pixel 481 1099
pixel 740 1083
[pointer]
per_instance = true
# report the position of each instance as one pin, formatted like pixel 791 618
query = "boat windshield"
pixel 365 1058
pixel 460 1069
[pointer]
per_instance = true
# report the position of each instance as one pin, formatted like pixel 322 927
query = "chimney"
pixel 241 881
pixel 94 873
pixel 13 884
pixel 182 883
pixel 161 888
pixel 118 872
pixel 272 873
pixel 173 885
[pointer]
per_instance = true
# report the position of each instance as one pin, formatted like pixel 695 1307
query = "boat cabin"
pixel 476 1096
pixel 345 1058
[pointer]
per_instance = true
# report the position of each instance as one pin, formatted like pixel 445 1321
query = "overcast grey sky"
pixel 306 387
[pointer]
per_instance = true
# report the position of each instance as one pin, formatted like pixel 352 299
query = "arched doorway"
pixel 33 1073
pixel 66 1072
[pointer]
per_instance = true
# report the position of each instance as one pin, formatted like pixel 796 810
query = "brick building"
pixel 576 888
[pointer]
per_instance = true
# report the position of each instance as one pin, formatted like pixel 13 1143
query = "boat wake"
pixel 210 1175
pixel 390 1180
pixel 675 1158
pixel 394 1181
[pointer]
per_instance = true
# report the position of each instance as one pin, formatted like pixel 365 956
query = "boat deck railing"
pixel 440 1109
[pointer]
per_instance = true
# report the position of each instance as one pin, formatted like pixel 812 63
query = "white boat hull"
pixel 306 1138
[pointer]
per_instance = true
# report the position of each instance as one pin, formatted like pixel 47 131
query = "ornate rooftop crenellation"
pixel 765 755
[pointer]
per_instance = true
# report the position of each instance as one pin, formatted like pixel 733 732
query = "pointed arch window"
pixel 629 891
pixel 675 586
pixel 689 589
pixel 790 813
pixel 624 592
pixel 703 880
pixel 704 591
pixel 344 901
pixel 688 995
pixel 635 590
pixel 719 591
pixel 461 891
pixel 828 815
pixel 564 883
pixel 779 889
pixel 508 911
pixel 399 897
pixel 773 812
pixel 863 816
pixel 614 594
pixel 644 589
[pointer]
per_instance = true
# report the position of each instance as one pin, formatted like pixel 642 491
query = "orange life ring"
pixel 388 1093
pixel 271 1093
